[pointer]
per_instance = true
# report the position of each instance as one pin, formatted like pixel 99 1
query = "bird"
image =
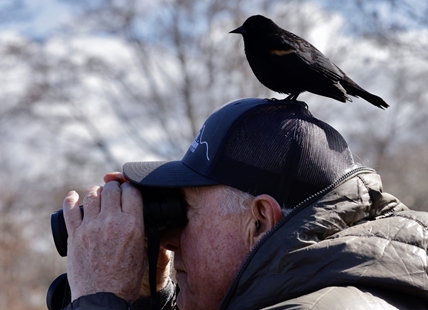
pixel 288 64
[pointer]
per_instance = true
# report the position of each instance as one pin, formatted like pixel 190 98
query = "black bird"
pixel 288 64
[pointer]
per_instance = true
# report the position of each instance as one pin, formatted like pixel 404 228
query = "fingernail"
pixel 72 193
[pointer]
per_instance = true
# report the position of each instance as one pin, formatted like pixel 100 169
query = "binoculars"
pixel 163 208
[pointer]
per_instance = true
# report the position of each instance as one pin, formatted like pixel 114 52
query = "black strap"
pixel 153 246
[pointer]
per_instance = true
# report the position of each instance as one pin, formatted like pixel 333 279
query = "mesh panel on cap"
pixel 282 150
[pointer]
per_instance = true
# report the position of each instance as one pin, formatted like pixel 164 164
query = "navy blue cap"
pixel 194 169
pixel 259 146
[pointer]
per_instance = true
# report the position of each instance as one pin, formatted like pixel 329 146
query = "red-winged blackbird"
pixel 288 64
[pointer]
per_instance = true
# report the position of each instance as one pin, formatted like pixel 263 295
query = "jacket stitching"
pixel 413 219
pixel 366 187
pixel 385 238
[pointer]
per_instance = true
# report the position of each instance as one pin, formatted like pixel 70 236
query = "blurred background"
pixel 89 85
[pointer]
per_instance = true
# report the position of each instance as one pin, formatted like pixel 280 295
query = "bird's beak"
pixel 240 30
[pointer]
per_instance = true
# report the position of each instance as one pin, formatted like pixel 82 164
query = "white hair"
pixel 236 201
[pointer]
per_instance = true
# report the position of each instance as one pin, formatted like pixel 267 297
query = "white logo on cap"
pixel 198 140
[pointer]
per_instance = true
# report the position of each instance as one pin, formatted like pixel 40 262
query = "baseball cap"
pixel 259 146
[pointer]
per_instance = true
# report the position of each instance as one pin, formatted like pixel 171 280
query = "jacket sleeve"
pixel 109 301
pixel 167 298
pixel 98 301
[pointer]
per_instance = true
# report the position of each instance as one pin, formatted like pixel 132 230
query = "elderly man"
pixel 278 216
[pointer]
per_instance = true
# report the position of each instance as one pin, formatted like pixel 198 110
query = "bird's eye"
pixel 251 26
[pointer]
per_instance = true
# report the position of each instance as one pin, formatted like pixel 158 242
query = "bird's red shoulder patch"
pixel 281 52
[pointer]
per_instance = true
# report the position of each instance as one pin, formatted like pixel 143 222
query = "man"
pixel 279 217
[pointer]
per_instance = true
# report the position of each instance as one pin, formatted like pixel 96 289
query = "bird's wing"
pixel 310 55
pixel 279 46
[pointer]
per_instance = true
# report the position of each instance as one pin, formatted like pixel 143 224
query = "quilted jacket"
pixel 350 246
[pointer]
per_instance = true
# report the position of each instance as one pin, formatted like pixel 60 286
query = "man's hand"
pixel 163 266
pixel 106 247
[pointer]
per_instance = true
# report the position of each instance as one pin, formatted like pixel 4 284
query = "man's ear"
pixel 266 213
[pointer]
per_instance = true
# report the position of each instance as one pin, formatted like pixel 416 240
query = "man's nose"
pixel 170 239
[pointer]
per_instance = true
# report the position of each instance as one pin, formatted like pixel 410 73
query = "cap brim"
pixel 164 174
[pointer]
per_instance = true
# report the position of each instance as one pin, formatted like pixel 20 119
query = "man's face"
pixel 208 251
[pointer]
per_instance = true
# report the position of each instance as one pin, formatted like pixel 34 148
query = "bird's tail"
pixel 353 89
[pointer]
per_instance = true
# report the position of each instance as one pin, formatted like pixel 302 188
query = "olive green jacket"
pixel 351 246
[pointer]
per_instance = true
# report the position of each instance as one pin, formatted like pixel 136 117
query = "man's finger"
pixel 92 202
pixel 132 201
pixel 72 214
pixel 114 176
pixel 111 197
